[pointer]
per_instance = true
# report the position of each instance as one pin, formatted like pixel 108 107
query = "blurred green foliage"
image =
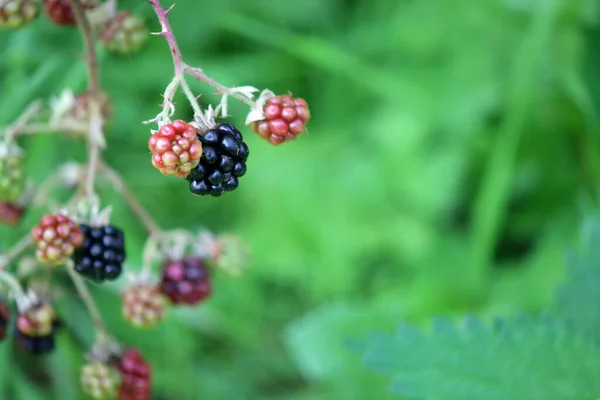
pixel 453 148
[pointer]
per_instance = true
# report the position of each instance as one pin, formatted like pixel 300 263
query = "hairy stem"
pixel 87 298
pixel 144 216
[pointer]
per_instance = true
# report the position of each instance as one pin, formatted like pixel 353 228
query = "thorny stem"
pixel 181 68
pixel 144 216
pixel 86 296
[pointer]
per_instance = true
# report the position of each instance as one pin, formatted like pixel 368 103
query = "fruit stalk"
pixel 144 216
pixel 88 300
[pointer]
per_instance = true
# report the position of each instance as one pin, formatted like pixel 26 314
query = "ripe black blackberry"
pixel 102 254
pixel 223 161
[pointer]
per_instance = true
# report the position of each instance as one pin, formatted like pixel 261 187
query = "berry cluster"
pixel 175 148
pixel 135 375
pixel 223 161
pixel 285 118
pixel 185 281
pixel 143 305
pixel 57 237
pixel 35 329
pixel 99 380
pixel 102 253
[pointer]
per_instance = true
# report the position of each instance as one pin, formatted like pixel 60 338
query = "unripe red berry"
pixel 175 149
pixel 136 375
pixel 57 237
pixel 285 118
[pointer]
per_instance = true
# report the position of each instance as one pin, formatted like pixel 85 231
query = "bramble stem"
pixel 143 215
pixel 87 298
pixel 181 68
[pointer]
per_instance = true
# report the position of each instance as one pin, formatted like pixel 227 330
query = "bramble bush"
pixel 412 245
pixel 78 234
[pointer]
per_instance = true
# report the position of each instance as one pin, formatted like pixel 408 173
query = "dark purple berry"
pixel 102 254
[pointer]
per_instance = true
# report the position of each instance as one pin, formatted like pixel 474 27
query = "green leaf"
pixel 514 359
pixel 579 297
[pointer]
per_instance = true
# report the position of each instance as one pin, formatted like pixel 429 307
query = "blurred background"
pixel 453 147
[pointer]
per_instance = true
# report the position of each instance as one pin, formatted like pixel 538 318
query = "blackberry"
pixel 35 329
pixel 185 281
pixel 223 161
pixel 102 254
pixel 35 344
pixel 4 320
